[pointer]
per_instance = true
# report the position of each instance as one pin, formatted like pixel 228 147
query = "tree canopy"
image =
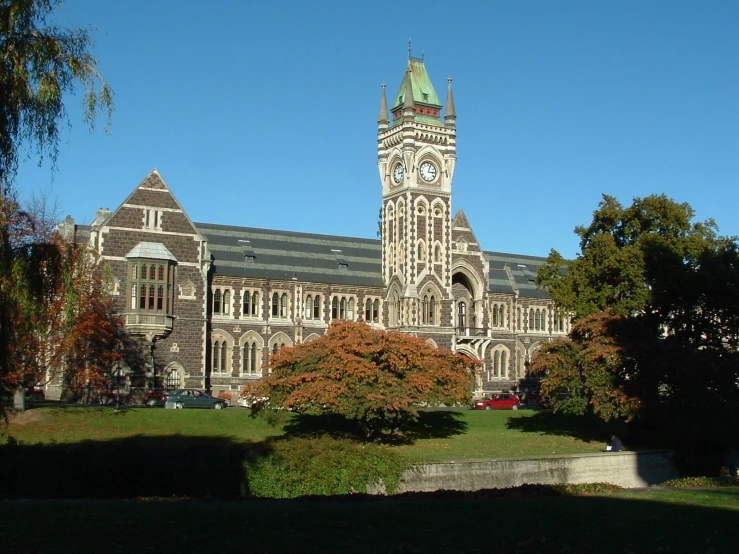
pixel 40 62
pixel 655 300
pixel 376 378
pixel 56 313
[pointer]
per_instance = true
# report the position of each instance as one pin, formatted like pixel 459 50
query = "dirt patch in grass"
pixel 23 418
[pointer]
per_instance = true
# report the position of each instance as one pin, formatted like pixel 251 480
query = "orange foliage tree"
pixel 376 378
pixel 55 312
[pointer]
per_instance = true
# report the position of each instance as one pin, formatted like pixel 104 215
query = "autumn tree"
pixel 655 300
pixel 376 378
pixel 57 306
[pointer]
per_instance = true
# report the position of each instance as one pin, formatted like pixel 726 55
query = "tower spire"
pixel 450 115
pixel 383 118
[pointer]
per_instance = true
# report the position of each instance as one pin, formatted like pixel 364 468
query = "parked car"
pixel 193 398
pixel 503 401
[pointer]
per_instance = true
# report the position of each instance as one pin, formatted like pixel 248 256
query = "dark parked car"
pixel 193 398
pixel 504 401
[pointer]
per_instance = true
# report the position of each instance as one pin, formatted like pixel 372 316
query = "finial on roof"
pixel 450 114
pixel 383 118
pixel 409 49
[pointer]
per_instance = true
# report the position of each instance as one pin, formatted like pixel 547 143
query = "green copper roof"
pixel 423 90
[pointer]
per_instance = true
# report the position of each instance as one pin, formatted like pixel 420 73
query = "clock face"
pixel 398 173
pixel 427 171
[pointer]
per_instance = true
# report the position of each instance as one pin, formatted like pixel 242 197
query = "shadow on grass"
pixel 585 428
pixel 131 467
pixel 430 425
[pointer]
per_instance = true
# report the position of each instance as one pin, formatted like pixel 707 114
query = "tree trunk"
pixel 19 399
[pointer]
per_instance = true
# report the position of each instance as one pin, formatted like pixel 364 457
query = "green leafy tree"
pixel 655 300
pixel 376 378
pixel 40 62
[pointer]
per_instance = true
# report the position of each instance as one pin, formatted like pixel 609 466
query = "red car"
pixel 504 401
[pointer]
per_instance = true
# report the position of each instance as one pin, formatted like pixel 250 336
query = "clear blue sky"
pixel 263 113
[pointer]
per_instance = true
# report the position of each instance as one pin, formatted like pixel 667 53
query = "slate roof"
pixel 270 254
pixel 520 274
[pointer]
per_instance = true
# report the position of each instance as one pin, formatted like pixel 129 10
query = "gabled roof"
pixel 270 254
pixel 422 90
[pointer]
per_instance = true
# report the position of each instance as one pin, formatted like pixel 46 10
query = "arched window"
pixel 275 348
pixel 217 302
pixel 531 319
pixel 224 348
pixel 350 310
pixel 518 319
pixel 376 311
pixel 216 358
pixel 432 311
pixel 275 305
pixel 503 363
pixel 309 307
pixel 368 310
pixel 226 302
pixel 425 310
pixel 437 254
pixel 342 308
pixel 172 381
pixel 253 359
pixel 496 364
pixel 142 298
pixel 421 252
pixel 317 307
pixel 283 305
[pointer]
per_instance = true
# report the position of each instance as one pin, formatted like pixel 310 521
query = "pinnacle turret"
pixel 450 115
pixel 383 119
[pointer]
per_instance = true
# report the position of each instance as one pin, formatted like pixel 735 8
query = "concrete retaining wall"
pixel 627 469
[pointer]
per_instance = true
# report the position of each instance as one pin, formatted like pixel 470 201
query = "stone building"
pixel 206 304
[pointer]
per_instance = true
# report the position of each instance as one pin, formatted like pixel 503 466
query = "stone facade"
pixel 205 304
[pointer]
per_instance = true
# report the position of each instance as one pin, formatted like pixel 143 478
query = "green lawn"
pixel 645 522
pixel 439 436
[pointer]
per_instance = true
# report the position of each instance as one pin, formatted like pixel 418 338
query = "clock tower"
pixel 416 155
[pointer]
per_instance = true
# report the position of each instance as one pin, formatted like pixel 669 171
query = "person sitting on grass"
pixel 614 445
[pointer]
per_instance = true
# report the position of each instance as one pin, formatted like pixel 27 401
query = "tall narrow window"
pixel 309 307
pixel 503 363
pixel 160 298
pixel 335 308
pixel 224 349
pixel 432 311
pixel 518 319
pixel 283 305
pixel 368 310
pixel 216 356
pixel 143 271
pixel 531 319
pixel 496 364
pixel 247 309
pixel 275 305
pixel 142 298
pixel 253 358
pixel 501 316
pixel 133 296
pixel 151 297
pixel 342 309
pixel 317 307
pixel 226 302
pixel 376 311
pixel 160 274
pixel 134 272
pixel 462 316
pixel 495 316
pixel 217 301
pixel 254 300
pixel 437 254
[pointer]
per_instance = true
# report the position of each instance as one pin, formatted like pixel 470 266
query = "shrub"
pixel 290 468
pixel 587 488
pixel 690 482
